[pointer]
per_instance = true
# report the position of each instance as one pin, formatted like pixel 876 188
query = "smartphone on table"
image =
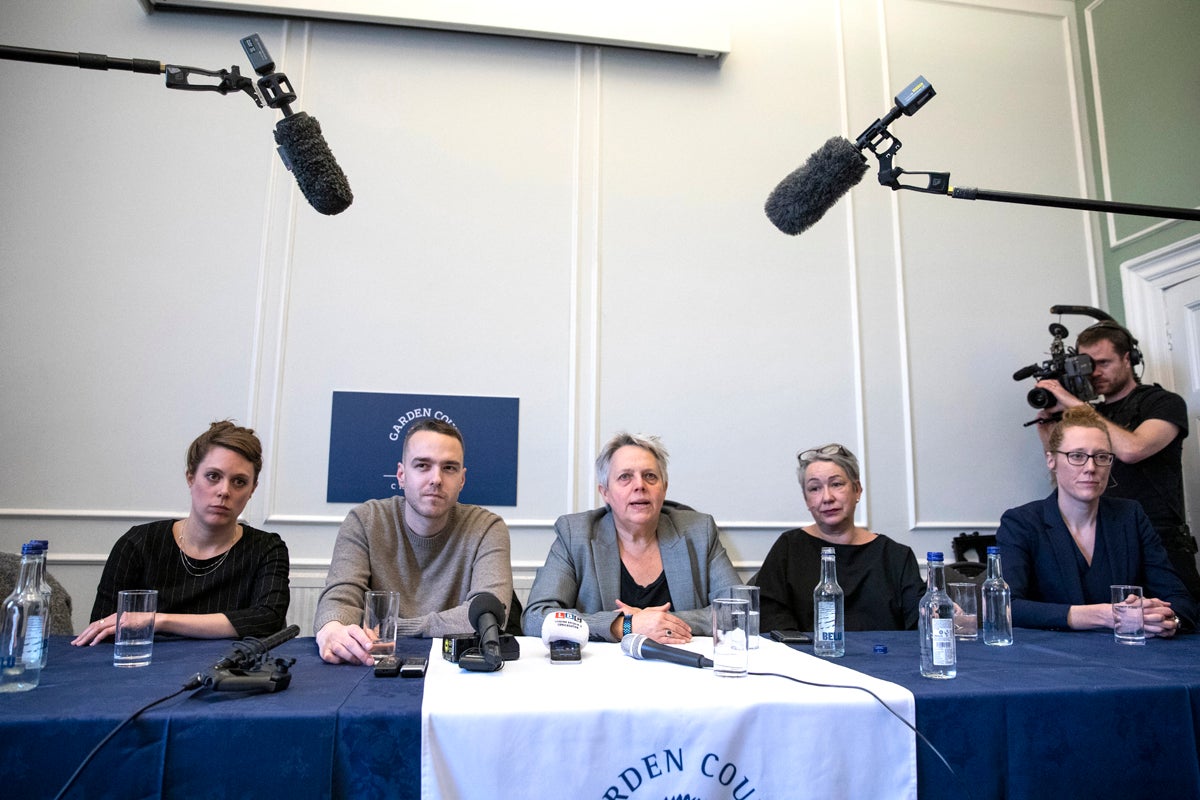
pixel 564 652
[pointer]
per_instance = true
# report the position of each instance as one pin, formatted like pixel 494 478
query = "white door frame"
pixel 1143 281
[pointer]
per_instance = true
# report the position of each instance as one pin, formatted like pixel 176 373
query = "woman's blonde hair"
pixel 1081 416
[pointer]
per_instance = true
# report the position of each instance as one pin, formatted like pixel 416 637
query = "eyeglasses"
pixel 1077 458
pixel 827 450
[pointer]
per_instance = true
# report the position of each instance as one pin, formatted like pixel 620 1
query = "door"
pixel 1182 306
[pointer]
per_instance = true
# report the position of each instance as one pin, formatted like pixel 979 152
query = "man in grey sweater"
pixel 435 551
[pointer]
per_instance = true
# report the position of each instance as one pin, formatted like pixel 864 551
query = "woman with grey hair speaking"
pixel 640 564
pixel 880 577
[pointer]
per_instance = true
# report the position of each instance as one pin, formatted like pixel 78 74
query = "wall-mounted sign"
pixel 367 430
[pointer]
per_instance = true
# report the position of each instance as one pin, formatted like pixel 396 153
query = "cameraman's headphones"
pixel 1121 332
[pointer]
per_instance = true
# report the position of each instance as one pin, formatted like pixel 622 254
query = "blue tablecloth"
pixel 1056 715
pixel 335 731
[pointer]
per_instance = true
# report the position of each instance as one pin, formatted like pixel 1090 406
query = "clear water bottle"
pixel 44 586
pixel 22 629
pixel 937 624
pixel 829 614
pixel 997 603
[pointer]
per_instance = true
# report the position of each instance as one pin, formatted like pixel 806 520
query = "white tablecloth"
pixel 614 727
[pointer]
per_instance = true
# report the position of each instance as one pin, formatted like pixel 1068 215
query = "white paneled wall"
pixel 577 226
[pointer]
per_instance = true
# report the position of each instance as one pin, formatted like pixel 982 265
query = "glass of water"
pixel 134 639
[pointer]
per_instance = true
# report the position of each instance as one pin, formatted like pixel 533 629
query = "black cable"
pixel 893 712
pixel 87 759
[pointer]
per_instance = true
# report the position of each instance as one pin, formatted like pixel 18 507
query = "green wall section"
pixel 1145 69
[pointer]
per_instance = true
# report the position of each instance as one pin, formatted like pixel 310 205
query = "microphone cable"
pixel 88 758
pixel 246 652
pixel 891 710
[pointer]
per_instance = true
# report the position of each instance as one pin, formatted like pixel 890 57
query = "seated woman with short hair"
pixel 216 578
pixel 880 577
pixel 635 565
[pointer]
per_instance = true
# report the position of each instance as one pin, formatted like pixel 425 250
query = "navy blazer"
pixel 583 570
pixel 1039 561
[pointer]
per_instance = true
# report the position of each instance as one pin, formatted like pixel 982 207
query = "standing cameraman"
pixel 1147 425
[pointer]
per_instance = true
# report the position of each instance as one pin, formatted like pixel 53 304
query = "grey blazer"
pixel 583 570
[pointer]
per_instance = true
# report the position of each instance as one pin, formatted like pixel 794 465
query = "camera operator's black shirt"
pixel 1155 482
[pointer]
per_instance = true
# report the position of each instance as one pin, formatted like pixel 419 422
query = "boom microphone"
pixel 803 197
pixel 637 645
pixel 301 145
pixel 305 152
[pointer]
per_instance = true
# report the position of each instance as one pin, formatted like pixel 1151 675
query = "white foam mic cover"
pixel 564 626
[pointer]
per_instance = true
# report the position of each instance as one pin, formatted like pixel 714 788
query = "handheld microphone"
pixel 485 613
pixel 565 626
pixel 803 197
pixel 637 645
pixel 301 145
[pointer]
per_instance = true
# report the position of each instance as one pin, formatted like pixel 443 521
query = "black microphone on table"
pixel 244 655
pixel 301 145
pixel 803 197
pixel 485 613
pixel 640 646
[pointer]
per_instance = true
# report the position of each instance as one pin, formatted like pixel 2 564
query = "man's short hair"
pixel 436 426
pixel 646 441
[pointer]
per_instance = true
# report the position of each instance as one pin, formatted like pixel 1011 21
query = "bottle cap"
pixel 881 649
pixel 993 550
pixel 933 557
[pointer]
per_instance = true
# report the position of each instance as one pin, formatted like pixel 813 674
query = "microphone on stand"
pixel 485 613
pixel 639 646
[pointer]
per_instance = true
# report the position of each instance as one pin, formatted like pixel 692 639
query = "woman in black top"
pixel 880 577
pixel 216 578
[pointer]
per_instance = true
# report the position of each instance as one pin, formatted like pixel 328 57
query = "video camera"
pixel 1070 368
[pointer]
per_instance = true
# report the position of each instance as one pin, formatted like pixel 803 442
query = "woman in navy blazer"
pixel 1062 554
pixel 633 566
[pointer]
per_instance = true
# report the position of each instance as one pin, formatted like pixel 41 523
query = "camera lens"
pixel 1040 398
